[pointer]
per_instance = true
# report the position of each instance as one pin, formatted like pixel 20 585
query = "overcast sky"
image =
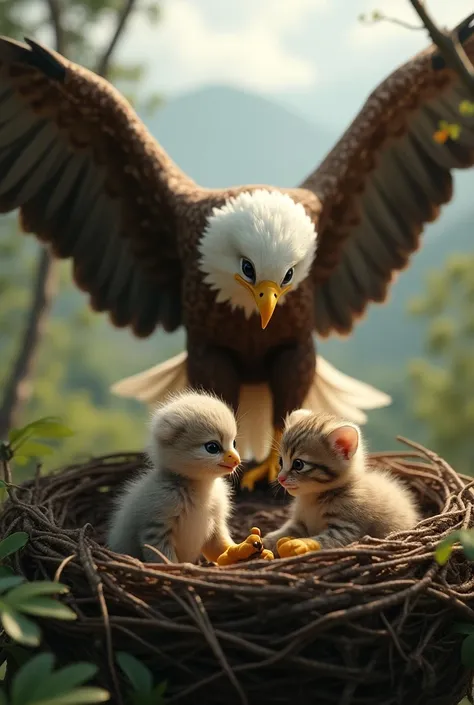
pixel 312 55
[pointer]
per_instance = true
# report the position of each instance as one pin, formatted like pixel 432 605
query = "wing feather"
pixel 383 181
pixel 91 182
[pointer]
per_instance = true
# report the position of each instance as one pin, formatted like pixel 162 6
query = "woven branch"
pixel 368 624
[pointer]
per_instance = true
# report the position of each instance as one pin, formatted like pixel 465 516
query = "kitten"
pixel 181 504
pixel 338 499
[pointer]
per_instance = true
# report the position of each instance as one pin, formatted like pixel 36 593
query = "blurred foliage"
pixel 443 383
pixel 74 368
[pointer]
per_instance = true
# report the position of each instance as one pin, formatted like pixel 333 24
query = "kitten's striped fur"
pixel 338 498
pixel 181 503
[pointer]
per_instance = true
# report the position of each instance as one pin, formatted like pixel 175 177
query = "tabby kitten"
pixel 181 504
pixel 338 498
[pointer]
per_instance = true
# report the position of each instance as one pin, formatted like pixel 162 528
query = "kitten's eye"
pixel 298 465
pixel 288 277
pixel 213 447
pixel 235 444
pixel 248 270
pixel 280 461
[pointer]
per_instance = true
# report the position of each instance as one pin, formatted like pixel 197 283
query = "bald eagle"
pixel 251 272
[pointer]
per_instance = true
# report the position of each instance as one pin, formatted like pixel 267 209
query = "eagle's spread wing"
pixel 90 180
pixel 384 179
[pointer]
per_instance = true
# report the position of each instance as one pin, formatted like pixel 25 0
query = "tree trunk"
pixel 17 389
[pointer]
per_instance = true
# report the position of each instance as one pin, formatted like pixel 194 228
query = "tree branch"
pixel 449 45
pixel 123 15
pixel 54 7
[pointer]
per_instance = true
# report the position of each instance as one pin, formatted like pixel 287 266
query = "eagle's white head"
pixel 256 248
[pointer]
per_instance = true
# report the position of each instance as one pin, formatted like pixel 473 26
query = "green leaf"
pixel 444 549
pixel 467 542
pixel 16 434
pixel 79 696
pixel 46 607
pixel 20 628
pixel 13 543
pixel 10 581
pixel 467 651
pixel 3 483
pixel 32 449
pixel 64 680
pixel 35 589
pixel 35 670
pixel 137 673
pixel 21 460
pixel 53 429
pixel 5 571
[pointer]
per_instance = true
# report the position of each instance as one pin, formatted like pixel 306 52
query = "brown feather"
pixel 90 181
pixel 382 182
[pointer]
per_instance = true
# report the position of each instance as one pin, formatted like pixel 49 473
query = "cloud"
pixel 253 52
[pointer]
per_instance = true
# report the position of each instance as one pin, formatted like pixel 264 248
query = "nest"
pixel 367 624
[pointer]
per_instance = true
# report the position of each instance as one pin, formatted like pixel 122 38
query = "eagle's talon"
pixel 269 468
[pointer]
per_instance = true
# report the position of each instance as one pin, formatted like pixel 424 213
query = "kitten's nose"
pixel 282 479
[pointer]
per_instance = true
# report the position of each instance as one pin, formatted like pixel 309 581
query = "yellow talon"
pixel 269 468
pixel 289 546
pixel 252 546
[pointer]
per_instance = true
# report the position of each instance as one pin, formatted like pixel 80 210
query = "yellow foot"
pixel 252 546
pixel 269 468
pixel 288 546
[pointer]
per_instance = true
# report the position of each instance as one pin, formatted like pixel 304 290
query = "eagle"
pixel 252 273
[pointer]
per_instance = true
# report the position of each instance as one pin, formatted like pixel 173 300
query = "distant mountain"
pixel 222 136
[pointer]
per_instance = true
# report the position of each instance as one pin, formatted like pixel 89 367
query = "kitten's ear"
pixel 344 441
pixel 296 415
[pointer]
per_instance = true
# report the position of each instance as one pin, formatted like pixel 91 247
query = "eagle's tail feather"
pixel 154 385
pixel 332 391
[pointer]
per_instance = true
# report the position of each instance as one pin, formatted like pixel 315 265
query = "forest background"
pixel 418 347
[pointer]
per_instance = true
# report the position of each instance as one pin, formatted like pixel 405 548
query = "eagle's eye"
pixel 288 277
pixel 248 270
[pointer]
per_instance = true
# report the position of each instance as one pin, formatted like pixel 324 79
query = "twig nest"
pixel 368 624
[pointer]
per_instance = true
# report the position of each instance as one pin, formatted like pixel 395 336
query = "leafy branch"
pixel 452 52
pixel 36 683
pixel 143 691
pixel 23 444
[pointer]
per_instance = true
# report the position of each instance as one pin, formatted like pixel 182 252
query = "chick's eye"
pixel 213 447
pixel 288 276
pixel 235 444
pixel 248 270
pixel 297 464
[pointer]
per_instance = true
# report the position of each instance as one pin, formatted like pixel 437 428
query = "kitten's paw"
pixel 252 546
pixel 289 546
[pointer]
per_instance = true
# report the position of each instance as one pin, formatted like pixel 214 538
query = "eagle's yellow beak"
pixel 266 295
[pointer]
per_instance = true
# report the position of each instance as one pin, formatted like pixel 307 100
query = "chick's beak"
pixel 266 295
pixel 231 459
